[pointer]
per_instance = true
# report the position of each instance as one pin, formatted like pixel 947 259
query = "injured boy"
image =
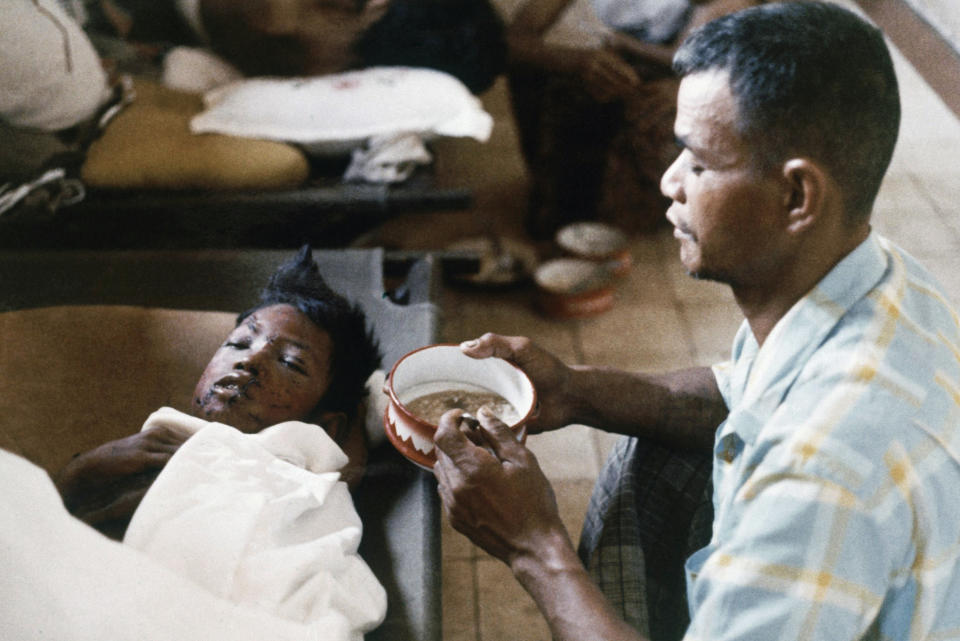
pixel 253 506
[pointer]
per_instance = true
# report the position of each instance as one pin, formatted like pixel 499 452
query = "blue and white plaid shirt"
pixel 837 472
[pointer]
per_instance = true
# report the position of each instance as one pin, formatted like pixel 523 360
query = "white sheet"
pixel 61 580
pixel 336 113
pixel 242 537
pixel 262 520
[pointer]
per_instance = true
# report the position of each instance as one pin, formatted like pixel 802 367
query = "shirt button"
pixel 729 448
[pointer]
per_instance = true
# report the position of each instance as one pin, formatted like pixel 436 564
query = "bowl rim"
pixel 425 461
pixel 402 409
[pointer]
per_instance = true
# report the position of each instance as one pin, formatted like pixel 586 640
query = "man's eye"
pixel 237 344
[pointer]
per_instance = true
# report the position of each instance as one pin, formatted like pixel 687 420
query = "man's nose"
pixel 671 184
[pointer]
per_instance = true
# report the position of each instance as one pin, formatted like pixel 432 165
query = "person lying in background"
pixel 303 353
pixel 464 38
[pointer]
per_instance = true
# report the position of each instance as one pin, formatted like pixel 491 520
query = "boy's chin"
pixel 228 414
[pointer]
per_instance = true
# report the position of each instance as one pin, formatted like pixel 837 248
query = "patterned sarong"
pixel 650 509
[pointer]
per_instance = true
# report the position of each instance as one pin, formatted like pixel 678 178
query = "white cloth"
pixel 61 580
pixel 656 21
pixel 387 159
pixel 197 70
pixel 50 75
pixel 337 113
pixel 262 520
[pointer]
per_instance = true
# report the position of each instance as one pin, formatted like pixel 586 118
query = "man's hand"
pixel 106 484
pixel 549 375
pixel 495 492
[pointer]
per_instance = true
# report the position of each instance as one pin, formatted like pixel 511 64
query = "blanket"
pixel 242 537
pixel 61 580
pixel 261 520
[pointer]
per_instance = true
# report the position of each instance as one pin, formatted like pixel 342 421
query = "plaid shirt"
pixel 837 472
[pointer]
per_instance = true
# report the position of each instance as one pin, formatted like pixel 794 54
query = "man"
pixel 834 429
pixel 302 354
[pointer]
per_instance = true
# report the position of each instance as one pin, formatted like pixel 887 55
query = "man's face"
pixel 725 211
pixel 273 367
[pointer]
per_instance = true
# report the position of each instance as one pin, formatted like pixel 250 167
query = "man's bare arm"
pixel 569 600
pixel 681 408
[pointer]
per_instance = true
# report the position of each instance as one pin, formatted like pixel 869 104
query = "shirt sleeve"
pixel 806 561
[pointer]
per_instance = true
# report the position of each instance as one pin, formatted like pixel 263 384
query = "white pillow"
pixel 336 113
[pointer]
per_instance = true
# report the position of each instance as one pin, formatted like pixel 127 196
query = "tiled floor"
pixel 662 319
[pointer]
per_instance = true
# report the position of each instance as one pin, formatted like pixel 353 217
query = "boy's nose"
pixel 252 362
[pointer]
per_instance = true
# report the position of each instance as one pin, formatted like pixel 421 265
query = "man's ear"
pixel 334 423
pixel 805 194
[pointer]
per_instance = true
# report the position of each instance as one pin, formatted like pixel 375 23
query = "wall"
pixel 944 15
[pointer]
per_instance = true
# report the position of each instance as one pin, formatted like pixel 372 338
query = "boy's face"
pixel 273 367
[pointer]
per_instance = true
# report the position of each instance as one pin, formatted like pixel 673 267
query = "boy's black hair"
pixel 465 38
pixel 356 353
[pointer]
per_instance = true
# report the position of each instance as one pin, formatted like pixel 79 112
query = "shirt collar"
pixel 804 327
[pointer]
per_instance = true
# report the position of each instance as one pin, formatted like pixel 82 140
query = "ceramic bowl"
pixel 599 243
pixel 573 288
pixel 437 368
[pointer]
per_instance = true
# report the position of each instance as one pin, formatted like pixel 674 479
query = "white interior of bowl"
pixel 591 239
pixel 563 275
pixel 444 367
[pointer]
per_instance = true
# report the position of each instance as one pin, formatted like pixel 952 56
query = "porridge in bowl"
pixel 430 407
pixel 437 378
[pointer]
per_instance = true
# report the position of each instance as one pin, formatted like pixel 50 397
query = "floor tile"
pixel 561 453
pixel 573 497
pixel 712 328
pixel 459 601
pixel 470 314
pixel 454 546
pixel 946 269
pixel 506 611
pixel 687 289
pixel 628 335
pixel 646 283
pixel 943 190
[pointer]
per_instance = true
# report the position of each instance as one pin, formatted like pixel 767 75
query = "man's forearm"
pixel 572 604
pixel 681 408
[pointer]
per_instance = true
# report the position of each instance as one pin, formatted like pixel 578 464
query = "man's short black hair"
pixel 465 38
pixel 810 79
pixel 356 354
